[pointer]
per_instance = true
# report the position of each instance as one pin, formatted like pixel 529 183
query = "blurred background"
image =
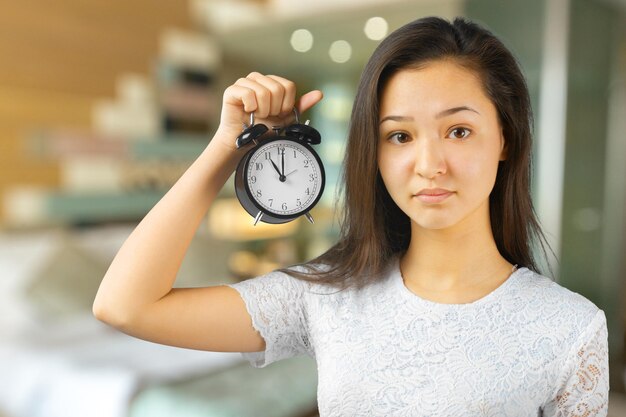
pixel 104 104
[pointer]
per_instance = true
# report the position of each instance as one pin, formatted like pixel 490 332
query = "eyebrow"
pixel 439 115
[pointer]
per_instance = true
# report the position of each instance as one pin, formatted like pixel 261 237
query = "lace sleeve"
pixel 276 305
pixel 583 386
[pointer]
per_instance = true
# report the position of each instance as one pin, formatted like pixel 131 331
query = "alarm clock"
pixel 281 177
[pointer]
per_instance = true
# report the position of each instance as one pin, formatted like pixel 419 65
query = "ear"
pixel 503 147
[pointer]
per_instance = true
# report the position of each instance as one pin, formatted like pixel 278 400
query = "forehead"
pixel 433 86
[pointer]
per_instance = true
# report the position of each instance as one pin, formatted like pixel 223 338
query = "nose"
pixel 430 159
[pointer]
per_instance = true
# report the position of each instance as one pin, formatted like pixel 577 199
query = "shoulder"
pixel 342 293
pixel 317 301
pixel 272 279
pixel 287 279
pixel 569 338
pixel 558 306
pixel 553 294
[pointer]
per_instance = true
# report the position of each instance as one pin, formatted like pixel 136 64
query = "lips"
pixel 433 195
pixel 433 191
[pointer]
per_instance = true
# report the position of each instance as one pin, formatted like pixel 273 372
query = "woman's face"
pixel 439 146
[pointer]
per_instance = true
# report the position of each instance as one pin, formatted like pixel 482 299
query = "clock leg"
pixel 309 217
pixel 258 217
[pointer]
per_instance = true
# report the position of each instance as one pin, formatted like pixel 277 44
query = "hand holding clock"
pixel 271 98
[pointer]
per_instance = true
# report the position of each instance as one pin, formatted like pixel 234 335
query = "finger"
pixel 276 89
pixel 262 96
pixel 238 95
pixel 309 100
pixel 289 97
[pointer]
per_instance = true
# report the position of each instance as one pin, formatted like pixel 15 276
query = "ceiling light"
pixel 340 51
pixel 301 40
pixel 376 28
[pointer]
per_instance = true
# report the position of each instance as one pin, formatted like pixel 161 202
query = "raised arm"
pixel 136 294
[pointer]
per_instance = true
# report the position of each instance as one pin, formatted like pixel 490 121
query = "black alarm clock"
pixel 281 177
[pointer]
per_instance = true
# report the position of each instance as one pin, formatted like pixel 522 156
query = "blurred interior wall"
pixel 592 198
pixel 57 58
pixel 614 218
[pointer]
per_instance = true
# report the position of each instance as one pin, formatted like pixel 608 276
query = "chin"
pixel 432 223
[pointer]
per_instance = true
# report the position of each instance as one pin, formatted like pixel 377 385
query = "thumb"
pixel 309 100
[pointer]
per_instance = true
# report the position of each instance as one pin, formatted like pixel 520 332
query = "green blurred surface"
pixel 283 389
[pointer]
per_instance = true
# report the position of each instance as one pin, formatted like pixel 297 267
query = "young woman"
pixel 430 303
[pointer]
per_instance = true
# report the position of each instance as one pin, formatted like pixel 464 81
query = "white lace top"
pixel 529 348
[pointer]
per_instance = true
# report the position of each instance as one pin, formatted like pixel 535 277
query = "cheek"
pixel 478 169
pixel 393 166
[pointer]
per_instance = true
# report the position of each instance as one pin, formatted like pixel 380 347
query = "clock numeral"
pixel 298 202
pixel 267 156
pixel 271 200
pixel 253 179
pixel 281 150
pixel 259 193
pixel 284 206
pixel 306 163
pixel 308 192
pixel 259 166
pixel 294 154
pixel 311 177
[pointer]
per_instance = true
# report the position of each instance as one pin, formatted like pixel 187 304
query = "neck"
pixel 453 259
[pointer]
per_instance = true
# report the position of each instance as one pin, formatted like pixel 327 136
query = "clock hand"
pixel 290 173
pixel 281 177
pixel 283 162
pixel 275 167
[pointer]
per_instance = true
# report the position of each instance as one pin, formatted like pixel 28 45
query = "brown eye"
pixel 459 133
pixel 399 137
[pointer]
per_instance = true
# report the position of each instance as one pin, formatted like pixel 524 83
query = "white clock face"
pixel 284 177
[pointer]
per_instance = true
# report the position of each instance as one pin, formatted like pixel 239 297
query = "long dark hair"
pixel 372 228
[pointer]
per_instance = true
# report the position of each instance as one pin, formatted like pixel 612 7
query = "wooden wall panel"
pixel 73 45
pixel 57 58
